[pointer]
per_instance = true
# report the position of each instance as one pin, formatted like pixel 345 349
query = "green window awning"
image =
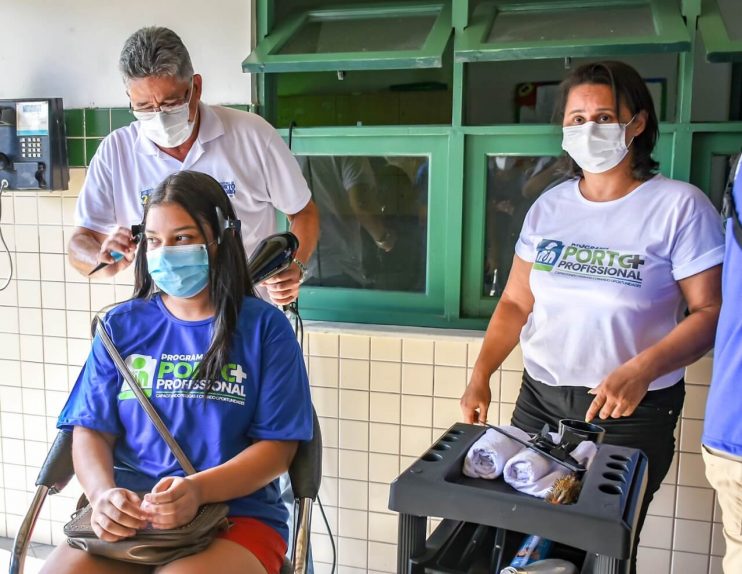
pixel 528 29
pixel 380 36
pixel 720 25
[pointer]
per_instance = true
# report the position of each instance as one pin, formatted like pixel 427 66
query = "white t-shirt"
pixel 604 276
pixel 240 150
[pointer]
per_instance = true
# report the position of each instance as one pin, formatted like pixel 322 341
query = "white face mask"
pixel 596 147
pixel 167 129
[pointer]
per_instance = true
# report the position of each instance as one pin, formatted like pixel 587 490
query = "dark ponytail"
pixel 229 282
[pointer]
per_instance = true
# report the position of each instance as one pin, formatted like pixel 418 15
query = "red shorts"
pixel 263 541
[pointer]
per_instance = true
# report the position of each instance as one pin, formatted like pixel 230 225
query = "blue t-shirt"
pixel 263 395
pixel 723 425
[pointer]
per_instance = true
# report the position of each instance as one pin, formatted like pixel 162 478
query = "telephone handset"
pixel 33 145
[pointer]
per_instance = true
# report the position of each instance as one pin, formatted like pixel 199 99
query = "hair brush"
pixel 565 490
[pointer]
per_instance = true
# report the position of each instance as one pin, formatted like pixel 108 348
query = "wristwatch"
pixel 302 269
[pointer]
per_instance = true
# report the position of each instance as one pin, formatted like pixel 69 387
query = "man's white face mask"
pixel 167 128
pixel 596 148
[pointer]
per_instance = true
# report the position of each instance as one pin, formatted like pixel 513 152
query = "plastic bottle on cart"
pixel 532 549
pixel 548 566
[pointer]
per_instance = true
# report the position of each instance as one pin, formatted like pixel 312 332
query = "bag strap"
pixel 143 400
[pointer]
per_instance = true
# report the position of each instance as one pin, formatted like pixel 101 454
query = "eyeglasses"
pixel 167 109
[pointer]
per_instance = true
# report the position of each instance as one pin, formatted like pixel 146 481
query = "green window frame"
pixel 266 57
pixel 471 45
pixel 539 140
pixel 715 33
pixel 432 307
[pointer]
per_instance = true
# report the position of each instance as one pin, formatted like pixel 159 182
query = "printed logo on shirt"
pixel 547 254
pixel 144 195
pixel 589 262
pixel 143 368
pixel 230 188
pixel 172 378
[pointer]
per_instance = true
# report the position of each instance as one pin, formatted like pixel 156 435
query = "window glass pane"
pixel 576 24
pixel 525 91
pixel 731 15
pixel 382 34
pixel 513 184
pixel 373 221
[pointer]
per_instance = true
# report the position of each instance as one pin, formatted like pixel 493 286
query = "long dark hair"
pixel 229 282
pixel 629 89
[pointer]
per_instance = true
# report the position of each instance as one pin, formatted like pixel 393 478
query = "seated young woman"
pixel 224 371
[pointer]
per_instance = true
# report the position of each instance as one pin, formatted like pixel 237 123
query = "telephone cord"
pixel 3 186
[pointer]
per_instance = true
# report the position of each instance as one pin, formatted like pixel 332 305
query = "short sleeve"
pixel 525 248
pixel 284 409
pixel 285 183
pixel 95 206
pixel 93 402
pixel 699 241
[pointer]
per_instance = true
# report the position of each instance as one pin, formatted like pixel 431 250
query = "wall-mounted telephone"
pixel 33 146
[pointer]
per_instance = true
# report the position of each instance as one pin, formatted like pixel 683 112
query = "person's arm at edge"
pixel 621 391
pixel 305 225
pixel 502 336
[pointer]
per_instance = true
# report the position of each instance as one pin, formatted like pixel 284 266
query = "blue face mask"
pixel 181 270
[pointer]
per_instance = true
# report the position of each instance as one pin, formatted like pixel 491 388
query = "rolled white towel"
pixel 584 453
pixel 487 457
pixel 531 473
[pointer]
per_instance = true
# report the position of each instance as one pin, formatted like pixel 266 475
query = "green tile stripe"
pixel 97 122
pixel 86 128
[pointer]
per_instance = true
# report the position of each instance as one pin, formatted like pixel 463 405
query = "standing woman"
pixel 604 270
pixel 224 371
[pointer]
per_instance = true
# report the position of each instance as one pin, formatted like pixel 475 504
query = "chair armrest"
pixel 306 468
pixel 57 469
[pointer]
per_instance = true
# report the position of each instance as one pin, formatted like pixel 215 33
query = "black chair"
pixel 305 473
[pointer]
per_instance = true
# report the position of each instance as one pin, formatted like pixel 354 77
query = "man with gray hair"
pixel 176 131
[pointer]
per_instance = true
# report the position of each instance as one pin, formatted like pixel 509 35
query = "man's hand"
pixel 173 502
pixel 116 514
pixel 619 393
pixel 476 400
pixel 120 241
pixel 283 288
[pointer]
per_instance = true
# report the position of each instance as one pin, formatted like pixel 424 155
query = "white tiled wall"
pixel 382 396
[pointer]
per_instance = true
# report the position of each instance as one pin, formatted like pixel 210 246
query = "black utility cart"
pixel 484 520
